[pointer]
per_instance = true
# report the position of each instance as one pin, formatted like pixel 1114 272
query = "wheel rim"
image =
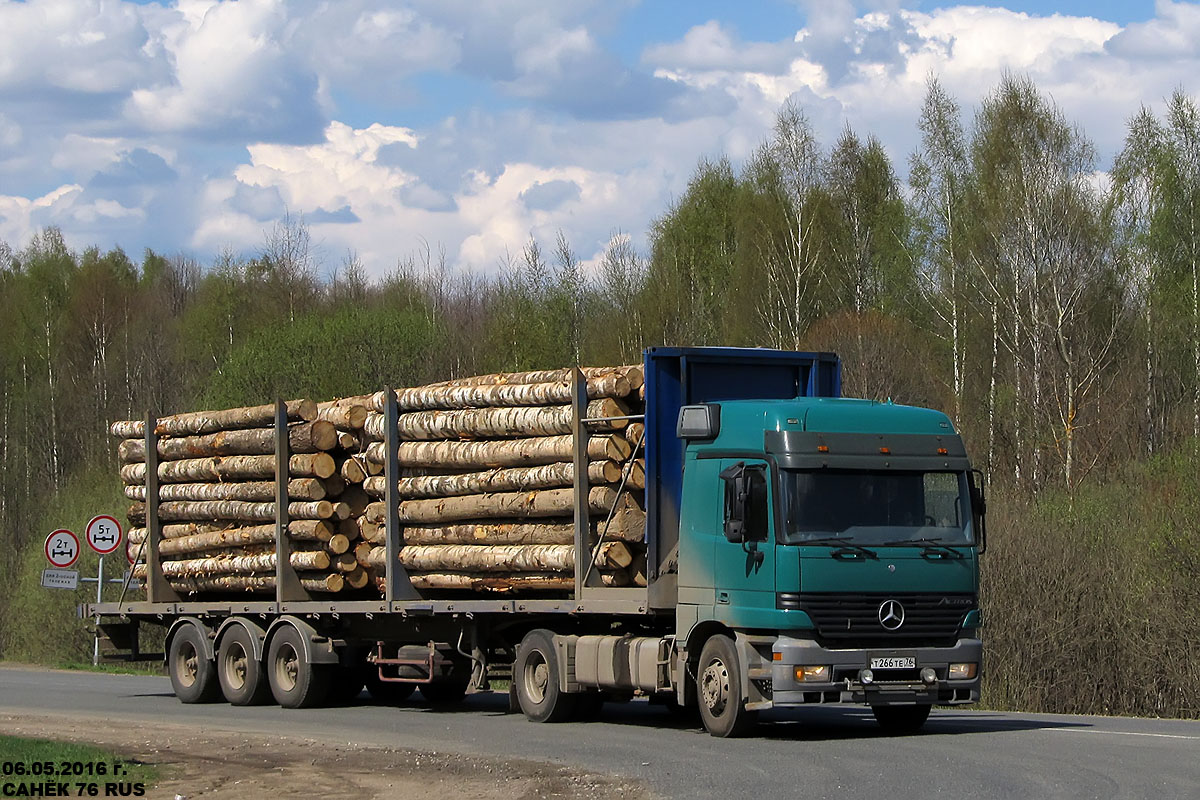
pixel 187 668
pixel 536 676
pixel 714 686
pixel 287 668
pixel 236 665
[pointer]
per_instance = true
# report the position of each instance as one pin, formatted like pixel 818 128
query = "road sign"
pixel 103 534
pixel 62 548
pixel 60 578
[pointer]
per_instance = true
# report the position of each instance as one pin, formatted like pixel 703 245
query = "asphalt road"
pixel 817 753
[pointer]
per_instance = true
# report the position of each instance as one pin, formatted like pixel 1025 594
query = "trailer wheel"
pixel 719 686
pixel 193 677
pixel 295 681
pixel 901 719
pixel 536 674
pixel 239 672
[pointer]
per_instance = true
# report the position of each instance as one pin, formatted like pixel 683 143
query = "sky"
pixel 468 127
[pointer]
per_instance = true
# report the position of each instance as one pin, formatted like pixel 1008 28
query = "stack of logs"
pixel 216 472
pixel 486 500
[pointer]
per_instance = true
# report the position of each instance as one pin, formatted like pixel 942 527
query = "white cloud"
pixel 83 46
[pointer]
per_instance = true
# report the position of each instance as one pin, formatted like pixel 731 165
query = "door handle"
pixel 722 597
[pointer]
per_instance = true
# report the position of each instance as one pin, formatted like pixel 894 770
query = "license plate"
pixel 893 663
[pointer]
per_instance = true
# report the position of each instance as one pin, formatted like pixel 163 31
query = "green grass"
pixel 30 763
pixel 131 668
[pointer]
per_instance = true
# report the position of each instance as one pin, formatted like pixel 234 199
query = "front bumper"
pixel 889 687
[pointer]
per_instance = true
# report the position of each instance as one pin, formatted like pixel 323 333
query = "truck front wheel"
pixel 901 719
pixel 719 690
pixel 536 676
pixel 193 677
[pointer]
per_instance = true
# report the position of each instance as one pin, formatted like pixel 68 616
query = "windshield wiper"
pixel 930 545
pixel 843 544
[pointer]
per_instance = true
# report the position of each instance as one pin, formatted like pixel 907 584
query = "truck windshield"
pixel 877 508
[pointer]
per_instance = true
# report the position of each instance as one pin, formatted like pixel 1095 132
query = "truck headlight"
pixel 962 672
pixel 820 673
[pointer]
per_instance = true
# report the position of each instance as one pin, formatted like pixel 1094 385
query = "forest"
pixel 1049 303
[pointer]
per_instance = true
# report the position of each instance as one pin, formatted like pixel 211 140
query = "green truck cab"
pixel 828 553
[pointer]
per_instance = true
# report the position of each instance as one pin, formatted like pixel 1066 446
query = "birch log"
pixel 497 480
pixel 509 453
pixel 429 398
pixel 200 422
pixel 305 530
pixel 235 565
pixel 237 510
pixel 634 433
pixel 507 583
pixel 261 584
pixel 345 418
pixel 236 537
pixel 486 423
pixel 232 468
pixel 624 529
pixel 357 579
pixel 255 491
pixel 504 505
pixel 353 470
pixel 304 437
pixel 499 558
pixel 632 373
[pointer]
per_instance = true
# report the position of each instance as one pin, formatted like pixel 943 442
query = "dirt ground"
pixel 230 764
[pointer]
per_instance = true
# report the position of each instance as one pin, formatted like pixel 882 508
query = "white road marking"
pixel 1127 733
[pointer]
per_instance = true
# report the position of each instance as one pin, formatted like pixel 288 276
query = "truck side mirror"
pixel 978 509
pixel 746 513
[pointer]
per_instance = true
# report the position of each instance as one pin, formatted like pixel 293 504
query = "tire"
pixel 536 674
pixel 193 676
pixel 386 692
pixel 446 691
pixel 901 719
pixel 719 690
pixel 242 678
pixel 295 683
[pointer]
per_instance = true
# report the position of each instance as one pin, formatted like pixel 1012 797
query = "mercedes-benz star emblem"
pixel 891 614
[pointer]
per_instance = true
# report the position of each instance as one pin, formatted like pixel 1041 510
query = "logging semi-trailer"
pixel 715 528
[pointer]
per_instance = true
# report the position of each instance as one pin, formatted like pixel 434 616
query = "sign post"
pixel 103 534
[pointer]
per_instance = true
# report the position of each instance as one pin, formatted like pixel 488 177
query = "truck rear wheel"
pixel 193 676
pixel 901 719
pixel 536 676
pixel 239 672
pixel 295 681
pixel 719 686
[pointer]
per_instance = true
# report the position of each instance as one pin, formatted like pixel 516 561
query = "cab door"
pixel 744 550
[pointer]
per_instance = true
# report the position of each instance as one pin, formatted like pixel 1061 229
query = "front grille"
pixel 852 620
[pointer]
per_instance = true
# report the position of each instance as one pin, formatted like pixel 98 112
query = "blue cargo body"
pixel 681 376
